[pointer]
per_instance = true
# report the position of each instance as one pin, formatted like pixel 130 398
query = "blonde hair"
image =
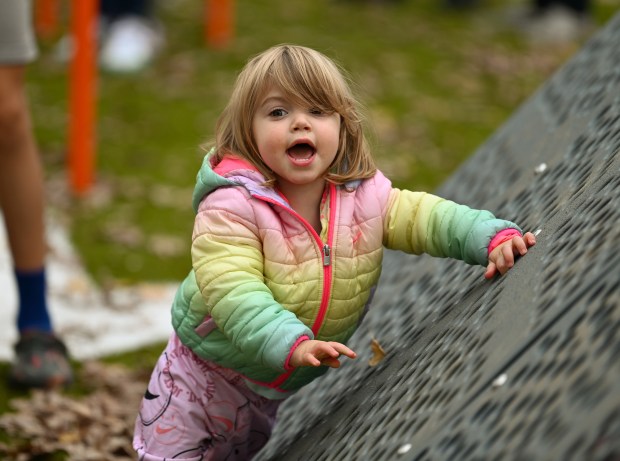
pixel 307 77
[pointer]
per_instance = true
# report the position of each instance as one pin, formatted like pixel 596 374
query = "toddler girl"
pixel 291 220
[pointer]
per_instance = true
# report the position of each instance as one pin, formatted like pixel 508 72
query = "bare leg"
pixel 41 358
pixel 21 176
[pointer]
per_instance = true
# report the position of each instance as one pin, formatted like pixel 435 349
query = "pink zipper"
pixel 327 268
pixel 327 263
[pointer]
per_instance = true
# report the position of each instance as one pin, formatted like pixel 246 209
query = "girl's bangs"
pixel 303 84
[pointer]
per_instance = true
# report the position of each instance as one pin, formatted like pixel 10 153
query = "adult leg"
pixel 115 9
pixel 41 359
pixel 21 175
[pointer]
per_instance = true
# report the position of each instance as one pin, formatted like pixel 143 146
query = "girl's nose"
pixel 300 122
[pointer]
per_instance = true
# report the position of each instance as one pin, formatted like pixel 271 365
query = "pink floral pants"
pixel 196 410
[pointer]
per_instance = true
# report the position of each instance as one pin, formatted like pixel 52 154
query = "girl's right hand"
pixel 502 258
pixel 314 353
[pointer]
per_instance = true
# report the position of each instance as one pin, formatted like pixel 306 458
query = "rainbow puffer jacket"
pixel 263 279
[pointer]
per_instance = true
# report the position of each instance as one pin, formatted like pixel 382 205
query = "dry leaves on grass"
pixel 95 427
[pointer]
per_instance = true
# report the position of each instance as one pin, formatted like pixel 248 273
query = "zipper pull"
pixel 327 259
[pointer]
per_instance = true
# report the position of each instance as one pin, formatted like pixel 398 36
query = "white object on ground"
pixel 130 43
pixel 92 323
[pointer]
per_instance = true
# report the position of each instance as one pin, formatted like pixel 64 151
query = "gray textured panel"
pixel 522 367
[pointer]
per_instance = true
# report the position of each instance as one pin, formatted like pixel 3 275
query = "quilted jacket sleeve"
pixel 418 222
pixel 227 259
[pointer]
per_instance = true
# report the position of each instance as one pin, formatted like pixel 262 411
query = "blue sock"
pixel 32 313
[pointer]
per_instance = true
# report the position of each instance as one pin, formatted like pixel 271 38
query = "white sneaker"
pixel 130 43
pixel 558 24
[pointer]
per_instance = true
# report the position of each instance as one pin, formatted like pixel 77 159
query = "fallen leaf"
pixel 97 426
pixel 378 354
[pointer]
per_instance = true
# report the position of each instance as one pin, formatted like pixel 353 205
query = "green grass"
pixel 435 84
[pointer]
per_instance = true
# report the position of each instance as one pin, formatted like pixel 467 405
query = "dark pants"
pixel 580 6
pixel 113 9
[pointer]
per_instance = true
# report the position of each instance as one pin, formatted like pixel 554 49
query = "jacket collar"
pixel 232 171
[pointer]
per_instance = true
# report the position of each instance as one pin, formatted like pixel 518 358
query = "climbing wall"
pixel 525 367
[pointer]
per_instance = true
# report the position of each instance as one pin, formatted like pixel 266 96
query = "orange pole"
pixel 46 17
pixel 82 95
pixel 219 19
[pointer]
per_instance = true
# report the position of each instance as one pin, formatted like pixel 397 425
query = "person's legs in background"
pixel 41 358
pixel 116 9
pixel 131 37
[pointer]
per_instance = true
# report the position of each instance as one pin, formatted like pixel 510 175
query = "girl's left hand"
pixel 314 353
pixel 502 258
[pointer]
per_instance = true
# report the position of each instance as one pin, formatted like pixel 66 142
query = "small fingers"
pixel 311 360
pixel 491 270
pixel 332 350
pixel 344 350
pixel 530 239
pixel 507 260
pixel 324 353
pixel 520 245
pixel 331 362
pixel 503 257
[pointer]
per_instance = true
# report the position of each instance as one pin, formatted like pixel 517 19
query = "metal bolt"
pixel 540 168
pixel 500 380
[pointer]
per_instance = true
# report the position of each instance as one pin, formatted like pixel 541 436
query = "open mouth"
pixel 301 154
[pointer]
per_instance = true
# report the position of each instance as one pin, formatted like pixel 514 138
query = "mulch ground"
pixel 95 427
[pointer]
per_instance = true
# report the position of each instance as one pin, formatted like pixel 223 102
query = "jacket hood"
pixel 231 171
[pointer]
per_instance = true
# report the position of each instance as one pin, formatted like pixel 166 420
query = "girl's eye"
pixel 277 113
pixel 316 111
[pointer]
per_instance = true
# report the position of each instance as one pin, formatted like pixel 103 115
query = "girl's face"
pixel 298 143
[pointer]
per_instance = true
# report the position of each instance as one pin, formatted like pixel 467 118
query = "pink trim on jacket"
pixel 287 364
pixel 327 267
pixel 206 327
pixel 501 237
pixel 229 164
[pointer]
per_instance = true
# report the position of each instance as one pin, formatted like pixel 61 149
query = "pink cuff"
pixel 230 163
pixel 287 365
pixel 501 237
